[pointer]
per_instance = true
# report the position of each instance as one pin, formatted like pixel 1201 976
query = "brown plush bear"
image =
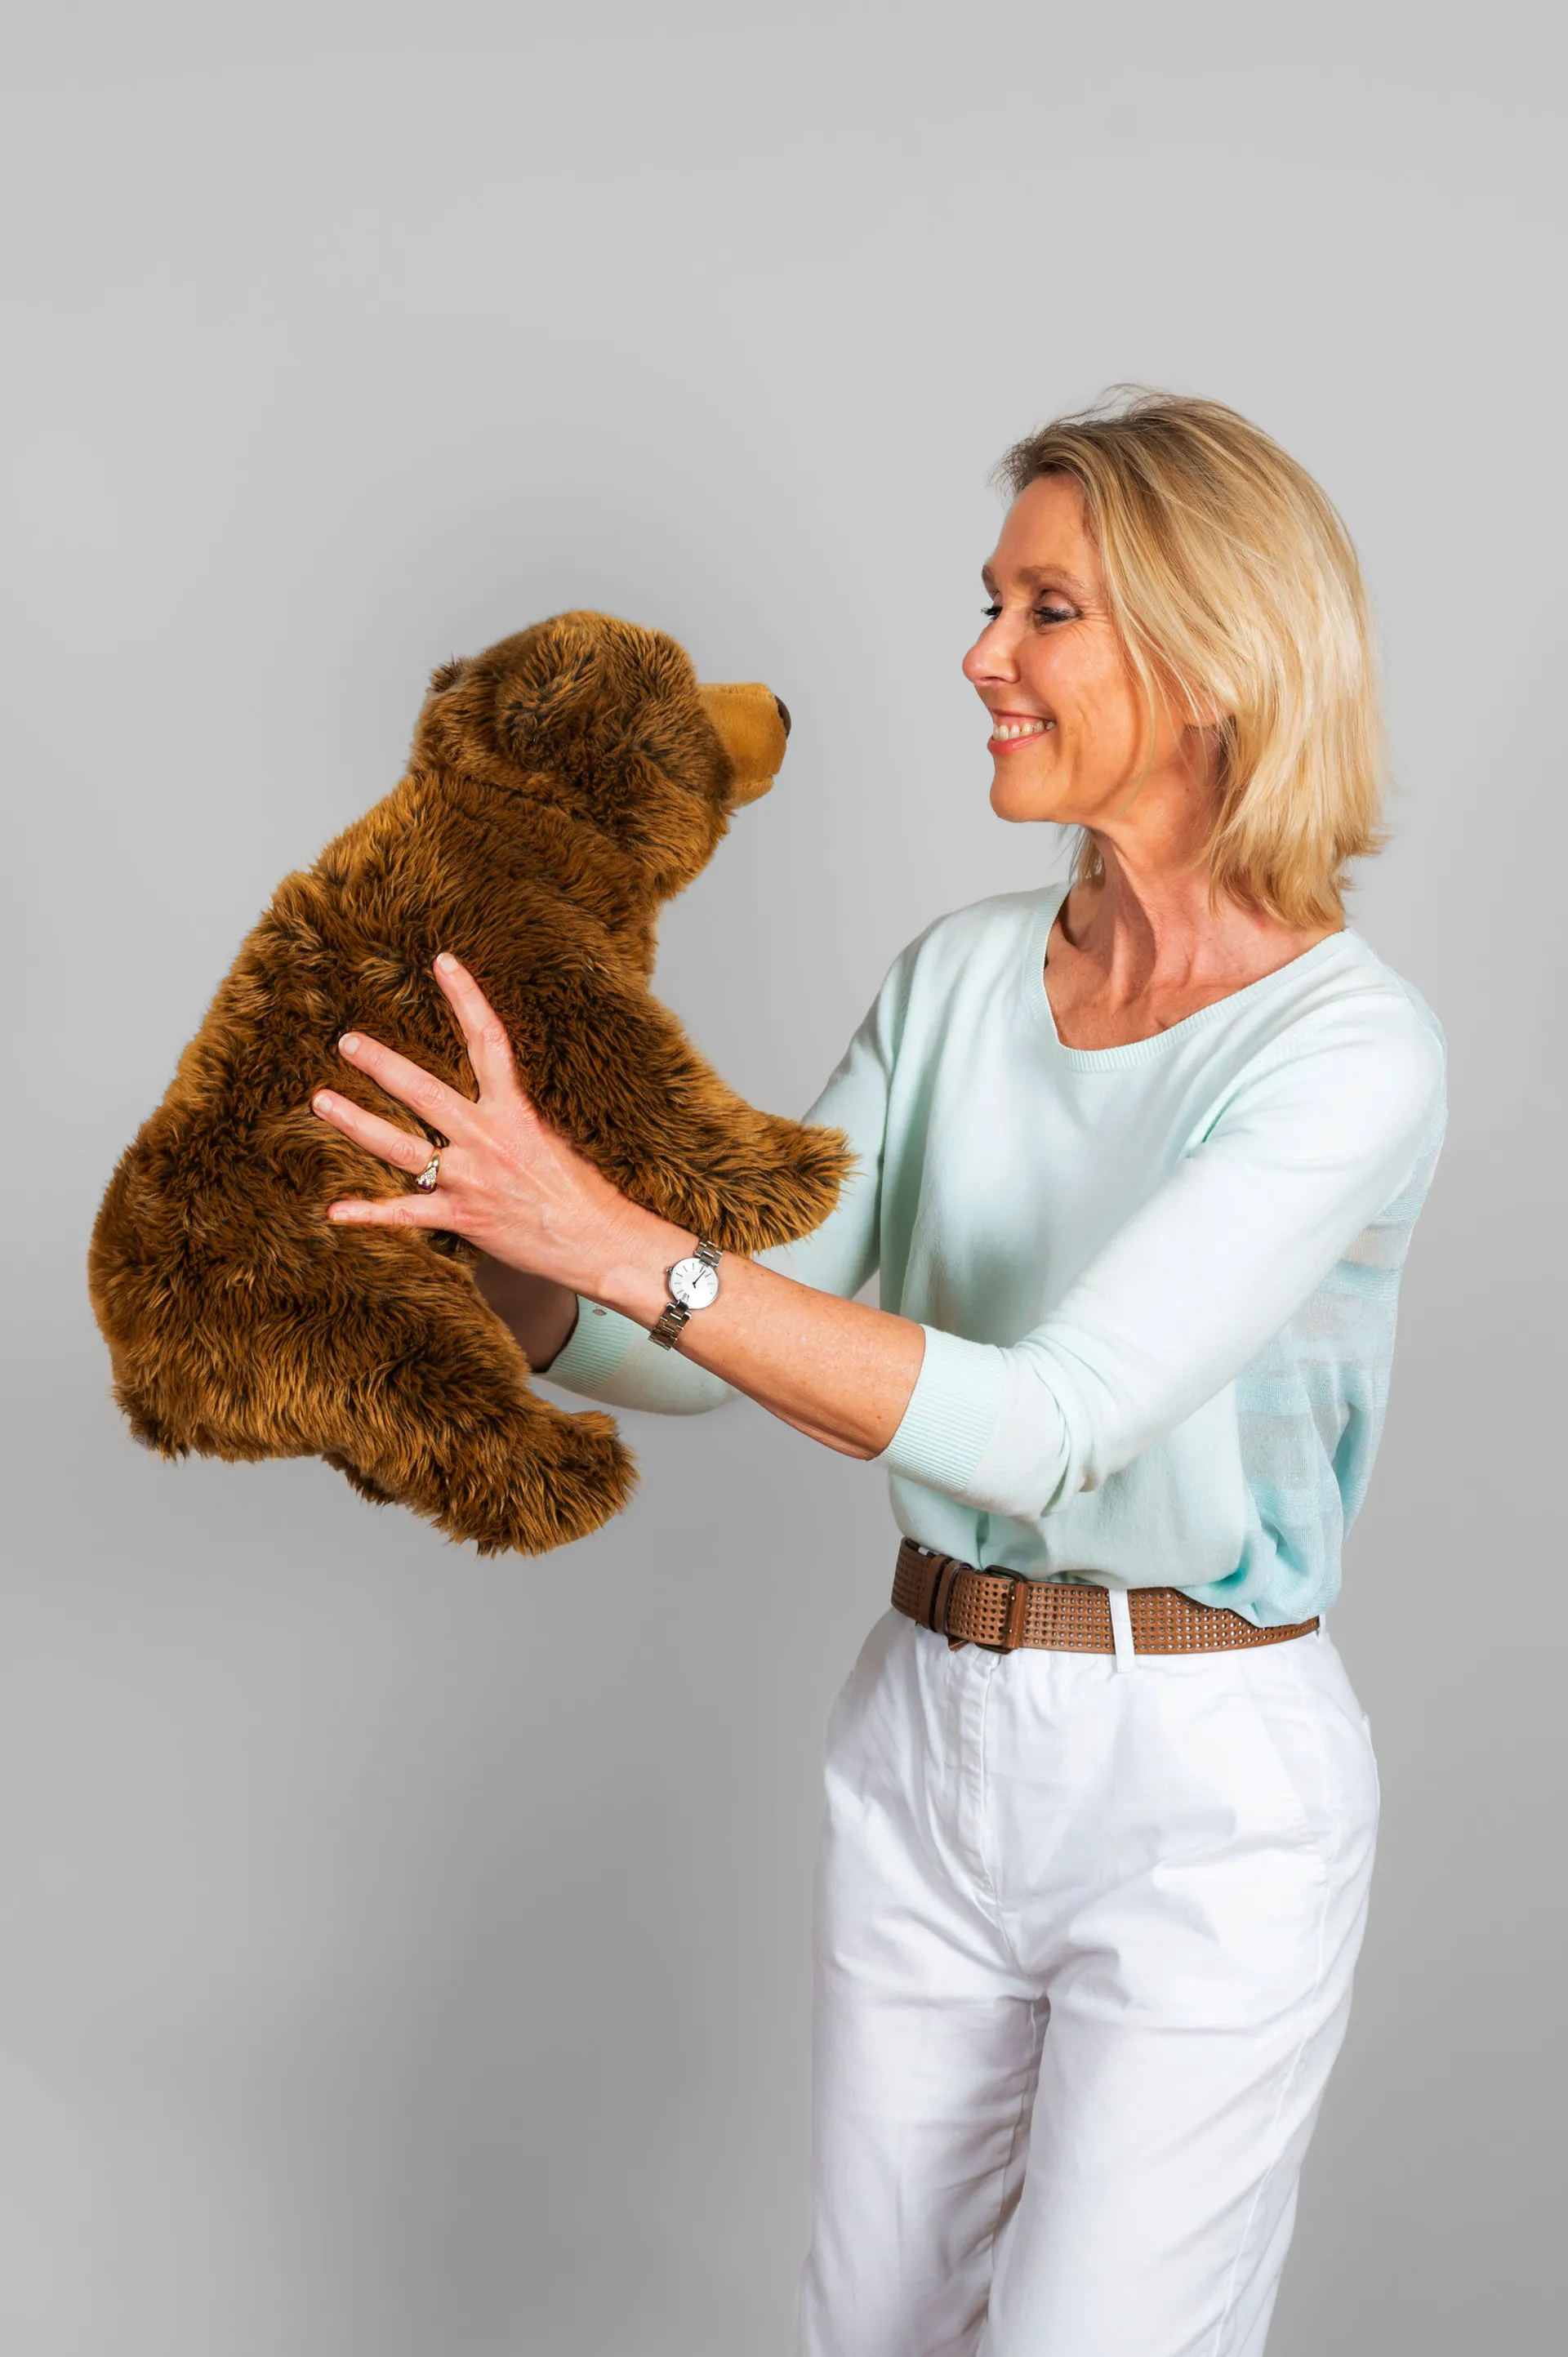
pixel 562 787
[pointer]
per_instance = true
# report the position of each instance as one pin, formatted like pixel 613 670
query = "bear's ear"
pixel 557 686
pixel 445 675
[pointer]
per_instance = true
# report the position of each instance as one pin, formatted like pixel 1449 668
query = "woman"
pixel 1138 1166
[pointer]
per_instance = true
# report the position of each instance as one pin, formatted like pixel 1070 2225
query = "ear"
pixel 555 685
pixel 445 675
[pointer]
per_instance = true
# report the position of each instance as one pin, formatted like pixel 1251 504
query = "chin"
pixel 1019 802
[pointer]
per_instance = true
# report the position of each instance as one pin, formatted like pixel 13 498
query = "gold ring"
pixel 426 1182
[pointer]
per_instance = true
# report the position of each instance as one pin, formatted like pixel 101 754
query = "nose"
pixel 783 713
pixel 751 724
pixel 991 656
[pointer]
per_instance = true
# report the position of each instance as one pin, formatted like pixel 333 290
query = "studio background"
pixel 382 1972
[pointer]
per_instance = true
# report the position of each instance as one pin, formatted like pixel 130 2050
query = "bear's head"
pixel 607 724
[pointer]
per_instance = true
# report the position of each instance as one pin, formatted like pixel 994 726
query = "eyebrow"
pixel 1031 575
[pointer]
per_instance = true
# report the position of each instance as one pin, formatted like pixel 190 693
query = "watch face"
pixel 693 1284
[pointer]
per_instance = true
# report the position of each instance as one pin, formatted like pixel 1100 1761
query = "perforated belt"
pixel 1002 1609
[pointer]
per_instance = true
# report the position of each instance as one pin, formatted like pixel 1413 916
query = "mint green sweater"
pixel 1157 1283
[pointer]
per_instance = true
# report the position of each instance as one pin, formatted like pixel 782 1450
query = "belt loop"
pixel 1121 1628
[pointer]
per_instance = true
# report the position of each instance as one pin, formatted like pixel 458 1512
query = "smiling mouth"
pixel 1006 730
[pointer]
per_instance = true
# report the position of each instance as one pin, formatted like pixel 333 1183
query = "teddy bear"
pixel 560 788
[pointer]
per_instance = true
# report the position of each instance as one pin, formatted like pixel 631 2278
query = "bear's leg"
pixel 398 1375
pixel 284 1336
pixel 428 1405
pixel 358 1481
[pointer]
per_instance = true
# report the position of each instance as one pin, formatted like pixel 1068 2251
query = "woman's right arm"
pixel 591 1350
pixel 542 1314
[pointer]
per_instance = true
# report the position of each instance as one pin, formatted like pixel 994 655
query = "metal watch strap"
pixel 671 1319
pixel 675 1313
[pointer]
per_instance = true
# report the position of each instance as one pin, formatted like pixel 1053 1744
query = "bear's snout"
pixel 751 724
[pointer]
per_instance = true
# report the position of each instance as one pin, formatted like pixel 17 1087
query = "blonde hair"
pixel 1236 591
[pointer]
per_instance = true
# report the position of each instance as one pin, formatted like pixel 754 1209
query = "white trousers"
pixel 1084 1936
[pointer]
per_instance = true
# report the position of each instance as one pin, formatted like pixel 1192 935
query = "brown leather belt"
pixel 1001 1610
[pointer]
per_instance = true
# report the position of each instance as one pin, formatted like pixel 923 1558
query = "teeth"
pixel 1020 728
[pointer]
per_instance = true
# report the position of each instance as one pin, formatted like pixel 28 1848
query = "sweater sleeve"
pixel 610 1358
pixel 1303 1155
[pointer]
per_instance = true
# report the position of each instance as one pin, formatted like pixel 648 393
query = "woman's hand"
pixel 508 1182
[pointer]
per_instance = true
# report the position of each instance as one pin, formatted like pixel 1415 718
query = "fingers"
pixel 401 1147
pixel 442 1107
pixel 408 1210
pixel 484 1034
pixel 455 1116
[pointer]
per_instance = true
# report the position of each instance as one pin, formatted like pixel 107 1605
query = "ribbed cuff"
pixel 600 1342
pixel 951 1410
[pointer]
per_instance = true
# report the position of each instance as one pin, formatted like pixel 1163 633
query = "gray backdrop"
pixel 382 1972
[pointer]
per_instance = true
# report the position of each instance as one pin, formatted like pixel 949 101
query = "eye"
pixel 1041 613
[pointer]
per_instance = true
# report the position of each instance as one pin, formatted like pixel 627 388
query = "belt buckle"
pixel 1017 1609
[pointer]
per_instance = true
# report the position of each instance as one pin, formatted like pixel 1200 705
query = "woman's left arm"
pixel 836 1370
pixel 1208 1270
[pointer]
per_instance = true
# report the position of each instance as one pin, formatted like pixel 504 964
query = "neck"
pixel 1150 924
pixel 560 853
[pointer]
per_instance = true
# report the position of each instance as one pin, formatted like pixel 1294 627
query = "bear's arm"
pixel 626 1085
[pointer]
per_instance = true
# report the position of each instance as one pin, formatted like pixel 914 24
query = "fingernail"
pixel 348 1042
pixel 322 1100
pixel 446 963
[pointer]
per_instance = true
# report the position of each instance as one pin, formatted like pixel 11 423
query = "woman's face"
pixel 1071 731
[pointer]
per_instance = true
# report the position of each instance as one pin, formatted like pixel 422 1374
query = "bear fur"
pixel 562 787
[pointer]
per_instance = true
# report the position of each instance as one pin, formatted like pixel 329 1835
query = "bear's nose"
pixel 783 713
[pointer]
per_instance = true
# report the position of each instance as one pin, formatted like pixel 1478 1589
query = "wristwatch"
pixel 692 1284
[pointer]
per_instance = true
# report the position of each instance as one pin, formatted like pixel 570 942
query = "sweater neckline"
pixel 1146 1051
